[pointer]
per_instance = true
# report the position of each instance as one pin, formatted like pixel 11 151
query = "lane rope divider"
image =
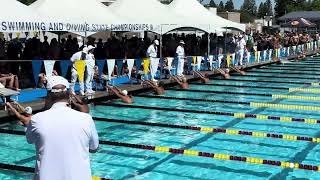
pixel 277 77
pixel 281 72
pixel 310 98
pixel 192 99
pixel 305 90
pixel 291 69
pixel 280 82
pixel 299 66
pixel 237 115
pixel 240 86
pixel 220 92
pixel 224 157
pixel 217 130
pixel 285 106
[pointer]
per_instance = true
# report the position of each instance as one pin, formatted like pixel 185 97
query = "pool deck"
pixel 131 88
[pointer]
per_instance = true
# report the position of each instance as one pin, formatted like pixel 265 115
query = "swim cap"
pixel 125 92
pixel 28 110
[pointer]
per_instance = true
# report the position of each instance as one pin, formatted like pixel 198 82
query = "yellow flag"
pixel 146 63
pixel 228 60
pixel 80 67
pixel 256 55
pixel 194 59
pixel 18 34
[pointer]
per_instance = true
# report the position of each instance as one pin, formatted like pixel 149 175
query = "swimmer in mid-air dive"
pixel 238 70
pixel 182 81
pixel 204 78
pixel 123 95
pixel 158 89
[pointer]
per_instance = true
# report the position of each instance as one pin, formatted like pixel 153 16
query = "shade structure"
pixel 152 12
pixel 17 17
pixel 83 15
pixel 193 9
pixel 300 23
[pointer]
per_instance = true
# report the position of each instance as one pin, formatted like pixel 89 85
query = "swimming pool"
pixel 243 110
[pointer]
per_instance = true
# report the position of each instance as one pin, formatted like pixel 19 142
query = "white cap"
pixel 79 38
pixel 220 34
pixel 28 110
pixel 182 42
pixel 57 80
pixel 156 42
pixel 90 47
pixel 125 92
pixel 85 50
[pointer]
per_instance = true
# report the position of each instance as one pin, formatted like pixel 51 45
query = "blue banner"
pixel 120 65
pixel 189 59
pixel 138 63
pixel 64 65
pixel 100 64
pixel 36 68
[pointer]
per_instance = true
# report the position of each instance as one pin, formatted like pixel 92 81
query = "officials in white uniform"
pixel 90 63
pixel 241 45
pixel 152 53
pixel 181 56
pixel 62 136
pixel 78 56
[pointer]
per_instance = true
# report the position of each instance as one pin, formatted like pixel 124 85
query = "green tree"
pixel 315 5
pixel 229 5
pixel 281 7
pixel 245 17
pixel 268 7
pixel 249 6
pixel 221 7
pixel 212 4
pixel 261 10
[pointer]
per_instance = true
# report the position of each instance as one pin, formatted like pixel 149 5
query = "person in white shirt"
pixel 78 56
pixel 90 63
pixel 152 53
pixel 63 137
pixel 181 56
pixel 242 45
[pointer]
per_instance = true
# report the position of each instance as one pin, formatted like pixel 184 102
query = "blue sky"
pixel 237 3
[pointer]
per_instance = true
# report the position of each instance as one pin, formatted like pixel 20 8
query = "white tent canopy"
pixel 152 12
pixel 193 9
pixel 82 15
pixel 16 17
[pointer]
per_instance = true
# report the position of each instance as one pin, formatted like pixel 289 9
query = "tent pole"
pixel 161 56
pixel 208 41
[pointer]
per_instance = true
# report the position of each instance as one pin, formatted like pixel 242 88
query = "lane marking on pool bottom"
pixel 252 104
pixel 219 156
pixel 31 169
pixel 281 96
pixel 285 106
pixel 304 90
pixel 216 130
pixel 237 115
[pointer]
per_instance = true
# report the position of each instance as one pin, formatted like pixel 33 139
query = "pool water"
pixel 129 163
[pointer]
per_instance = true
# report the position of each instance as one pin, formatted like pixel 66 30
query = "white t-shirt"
pixel 242 44
pixel 180 52
pixel 62 137
pixel 78 56
pixel 90 61
pixel 152 51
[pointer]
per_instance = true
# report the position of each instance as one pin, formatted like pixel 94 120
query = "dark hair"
pixel 56 97
pixel 161 84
